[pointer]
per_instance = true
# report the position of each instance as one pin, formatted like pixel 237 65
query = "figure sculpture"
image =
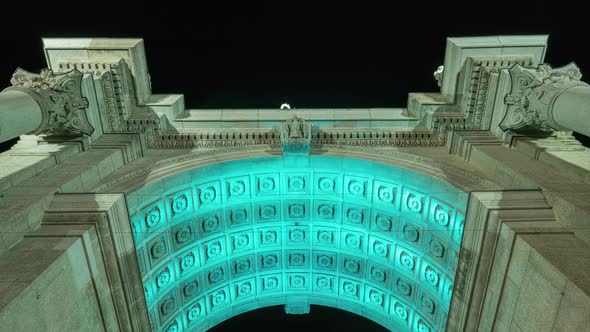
pixel 295 136
pixel 295 126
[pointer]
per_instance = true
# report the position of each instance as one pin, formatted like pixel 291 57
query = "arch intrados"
pixel 138 212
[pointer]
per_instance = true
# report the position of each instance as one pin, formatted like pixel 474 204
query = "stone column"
pixel 547 99
pixel 572 109
pixel 46 103
pixel 19 114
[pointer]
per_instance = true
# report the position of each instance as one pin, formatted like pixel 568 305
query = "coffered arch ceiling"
pixel 370 238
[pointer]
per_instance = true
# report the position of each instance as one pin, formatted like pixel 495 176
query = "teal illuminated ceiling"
pixel 223 239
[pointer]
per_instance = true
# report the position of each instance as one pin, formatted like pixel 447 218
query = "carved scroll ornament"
pixel 533 94
pixel 60 98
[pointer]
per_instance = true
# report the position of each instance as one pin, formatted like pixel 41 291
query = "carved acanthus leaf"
pixel 533 93
pixel 60 97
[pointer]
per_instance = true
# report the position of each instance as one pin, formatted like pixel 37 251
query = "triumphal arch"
pixel 468 210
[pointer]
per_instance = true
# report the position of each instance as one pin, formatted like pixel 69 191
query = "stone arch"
pixel 462 176
pixel 225 238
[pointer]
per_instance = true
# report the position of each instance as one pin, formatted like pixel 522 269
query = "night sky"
pixel 248 54
pixel 320 318
pixel 258 55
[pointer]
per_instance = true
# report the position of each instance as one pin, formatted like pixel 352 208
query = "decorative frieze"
pixel 231 137
pixel 443 122
pixel 60 98
pixel 110 101
pixel 373 137
pixel 214 138
pixel 145 127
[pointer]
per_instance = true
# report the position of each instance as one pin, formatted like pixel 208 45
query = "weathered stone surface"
pixel 523 262
pixel 55 287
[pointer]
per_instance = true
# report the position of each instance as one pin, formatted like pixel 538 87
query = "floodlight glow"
pixel 226 238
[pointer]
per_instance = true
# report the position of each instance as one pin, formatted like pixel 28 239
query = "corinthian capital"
pixel 534 91
pixel 60 98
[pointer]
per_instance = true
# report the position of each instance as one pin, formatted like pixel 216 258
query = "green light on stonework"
pixel 369 238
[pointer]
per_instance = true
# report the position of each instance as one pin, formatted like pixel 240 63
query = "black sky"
pixel 324 319
pixel 258 54
pixel 222 54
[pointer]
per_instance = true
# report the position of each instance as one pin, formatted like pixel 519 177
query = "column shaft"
pixel 572 109
pixel 20 114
